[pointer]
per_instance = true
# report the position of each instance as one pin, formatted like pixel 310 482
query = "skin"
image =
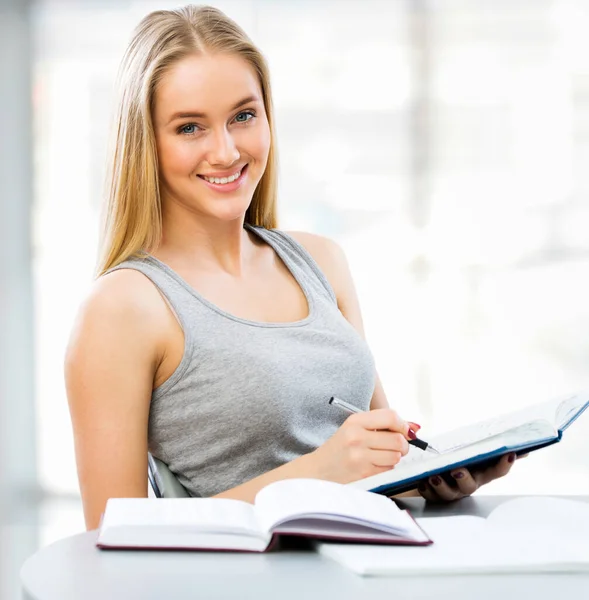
pixel 125 326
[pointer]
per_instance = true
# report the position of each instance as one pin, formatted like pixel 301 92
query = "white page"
pixel 174 537
pixel 540 419
pixel 293 498
pixel 568 408
pixel 546 530
pixel 451 551
pixel 544 517
pixel 554 412
pixel 524 535
pixel 417 462
pixel 201 514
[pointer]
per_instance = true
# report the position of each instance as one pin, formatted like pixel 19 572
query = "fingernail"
pixel 415 425
pixel 458 475
pixel 436 480
pixel 511 458
pixel 411 434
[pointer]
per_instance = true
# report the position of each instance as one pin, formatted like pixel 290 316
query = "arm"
pixel 110 364
pixel 366 444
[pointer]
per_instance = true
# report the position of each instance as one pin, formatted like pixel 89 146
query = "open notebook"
pixel 537 534
pixel 523 431
pixel 305 507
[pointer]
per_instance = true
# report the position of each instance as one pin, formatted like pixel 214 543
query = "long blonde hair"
pixel 133 218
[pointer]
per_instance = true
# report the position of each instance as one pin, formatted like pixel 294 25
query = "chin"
pixel 229 213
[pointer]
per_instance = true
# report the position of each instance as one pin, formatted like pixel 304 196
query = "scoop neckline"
pixel 270 324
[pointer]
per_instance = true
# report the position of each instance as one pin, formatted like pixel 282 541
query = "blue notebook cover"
pixel 534 431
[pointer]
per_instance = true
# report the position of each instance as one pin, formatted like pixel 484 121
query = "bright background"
pixel 443 143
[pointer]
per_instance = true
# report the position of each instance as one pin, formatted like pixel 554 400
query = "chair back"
pixel 163 482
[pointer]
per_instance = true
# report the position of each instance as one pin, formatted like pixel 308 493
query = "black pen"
pixel 354 409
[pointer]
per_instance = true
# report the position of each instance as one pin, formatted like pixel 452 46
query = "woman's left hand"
pixel 464 482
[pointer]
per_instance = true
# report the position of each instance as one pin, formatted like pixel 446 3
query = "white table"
pixel 73 569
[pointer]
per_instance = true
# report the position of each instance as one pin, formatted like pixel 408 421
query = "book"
pixel 303 507
pixel 523 431
pixel 525 535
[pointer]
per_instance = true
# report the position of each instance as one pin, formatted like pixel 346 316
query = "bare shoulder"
pixel 123 305
pixel 328 254
pixel 127 285
pixel 114 351
pixel 125 294
pixel 319 246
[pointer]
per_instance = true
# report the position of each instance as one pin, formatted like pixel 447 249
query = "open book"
pixel 535 534
pixel 304 507
pixel 523 431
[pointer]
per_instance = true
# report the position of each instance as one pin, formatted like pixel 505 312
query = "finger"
pixel 443 489
pixel 500 469
pixel 427 492
pixel 385 458
pixel 387 440
pixel 465 482
pixel 382 418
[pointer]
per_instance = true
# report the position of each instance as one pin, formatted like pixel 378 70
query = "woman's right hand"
pixel 366 444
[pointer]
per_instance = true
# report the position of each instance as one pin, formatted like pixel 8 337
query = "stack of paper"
pixel 538 534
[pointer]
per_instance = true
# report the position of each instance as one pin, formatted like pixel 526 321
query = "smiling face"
pixel 212 136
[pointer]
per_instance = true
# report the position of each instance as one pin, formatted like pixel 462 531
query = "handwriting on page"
pixel 569 408
pixel 512 432
pixel 481 431
pixel 415 455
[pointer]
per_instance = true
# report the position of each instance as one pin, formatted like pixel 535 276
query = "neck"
pixel 210 244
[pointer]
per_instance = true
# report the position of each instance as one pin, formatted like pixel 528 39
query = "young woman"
pixel 211 338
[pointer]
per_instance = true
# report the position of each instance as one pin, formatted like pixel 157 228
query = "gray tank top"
pixel 247 396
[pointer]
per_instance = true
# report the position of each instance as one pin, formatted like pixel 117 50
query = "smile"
pixel 226 184
pixel 222 180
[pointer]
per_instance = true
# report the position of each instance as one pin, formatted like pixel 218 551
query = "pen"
pixel 354 409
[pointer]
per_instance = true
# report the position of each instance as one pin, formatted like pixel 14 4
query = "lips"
pixel 223 179
pixel 229 185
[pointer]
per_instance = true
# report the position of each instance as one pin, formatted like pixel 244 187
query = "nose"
pixel 222 151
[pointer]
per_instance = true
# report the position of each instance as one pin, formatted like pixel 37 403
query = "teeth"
pixel 222 180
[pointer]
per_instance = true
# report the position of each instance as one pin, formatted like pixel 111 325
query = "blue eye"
pixel 245 116
pixel 188 129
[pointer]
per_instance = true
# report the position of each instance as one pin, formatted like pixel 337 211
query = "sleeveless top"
pixel 250 396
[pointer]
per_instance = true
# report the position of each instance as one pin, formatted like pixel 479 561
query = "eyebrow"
pixel 197 115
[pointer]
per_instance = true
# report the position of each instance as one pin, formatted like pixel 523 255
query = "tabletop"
pixel 73 568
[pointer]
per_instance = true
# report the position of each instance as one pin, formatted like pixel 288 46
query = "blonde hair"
pixel 133 221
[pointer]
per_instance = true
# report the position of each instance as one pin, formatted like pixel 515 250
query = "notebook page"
pixel 544 516
pixel 463 544
pixel 452 551
pixel 201 514
pixel 451 442
pixel 568 409
pixel 292 498
pixel 471 434
pixel 414 465
pixel 547 530
pixel 543 417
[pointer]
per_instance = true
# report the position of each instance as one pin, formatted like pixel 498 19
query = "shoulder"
pixel 329 255
pixel 314 243
pixel 321 248
pixel 332 260
pixel 123 308
pixel 125 293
